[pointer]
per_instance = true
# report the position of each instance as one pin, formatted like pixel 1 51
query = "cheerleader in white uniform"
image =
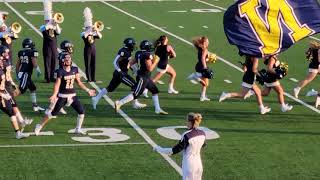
pixel 191 143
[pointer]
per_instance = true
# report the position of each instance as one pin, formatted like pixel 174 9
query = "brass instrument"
pixel 58 18
pixel 15 27
pixel 98 26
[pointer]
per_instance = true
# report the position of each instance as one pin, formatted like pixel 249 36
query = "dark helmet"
pixel 66 46
pixel 28 43
pixel 129 43
pixel 146 45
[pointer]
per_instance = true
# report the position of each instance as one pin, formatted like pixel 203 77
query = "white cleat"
pixel 286 108
pixel 173 91
pixel 296 91
pixel 79 132
pixel 62 111
pixel 117 106
pixel 37 108
pixel 160 82
pixel 94 102
pixel 145 93
pixel 249 94
pixel 312 92
pixel 194 81
pixel 160 111
pixel 37 129
pixel 204 99
pixel 223 96
pixel 317 101
pixel 265 110
pixel 20 135
pixel 138 105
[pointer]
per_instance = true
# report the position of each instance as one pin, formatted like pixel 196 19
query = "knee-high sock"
pixel 126 99
pixel 80 119
pixel 101 93
pixel 156 103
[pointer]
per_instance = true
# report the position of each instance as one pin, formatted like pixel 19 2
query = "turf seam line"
pixel 218 57
pixel 124 115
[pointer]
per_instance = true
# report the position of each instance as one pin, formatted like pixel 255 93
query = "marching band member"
pixel 64 91
pixel 27 61
pixel 50 30
pixel 313 55
pixel 191 144
pixel 7 34
pixel 89 51
pixel 147 64
pixel 120 75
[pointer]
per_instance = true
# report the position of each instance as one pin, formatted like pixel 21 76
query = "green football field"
pixel 119 146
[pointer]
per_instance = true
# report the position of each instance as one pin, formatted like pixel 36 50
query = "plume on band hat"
pixel 47 8
pixel 87 14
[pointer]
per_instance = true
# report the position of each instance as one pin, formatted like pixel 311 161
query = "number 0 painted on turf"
pixel 170 132
pixel 104 134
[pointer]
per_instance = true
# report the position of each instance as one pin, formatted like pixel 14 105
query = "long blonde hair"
pixel 194 118
pixel 198 42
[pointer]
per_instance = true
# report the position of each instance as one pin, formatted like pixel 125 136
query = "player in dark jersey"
pixel 27 61
pixel 144 81
pixel 120 75
pixel 165 52
pixel 250 68
pixel 313 55
pixel 191 143
pixel 50 30
pixel 6 106
pixel 66 48
pixel 272 82
pixel 64 91
pixel 89 37
pixel 7 35
pixel 6 67
pixel 203 73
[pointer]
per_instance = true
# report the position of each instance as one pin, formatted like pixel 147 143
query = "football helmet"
pixel 28 43
pixel 146 45
pixel 66 46
pixel 130 43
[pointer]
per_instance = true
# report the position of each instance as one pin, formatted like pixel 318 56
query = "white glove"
pixel 161 150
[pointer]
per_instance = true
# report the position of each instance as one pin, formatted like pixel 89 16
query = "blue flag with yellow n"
pixel 265 27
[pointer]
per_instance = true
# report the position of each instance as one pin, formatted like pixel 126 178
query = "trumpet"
pixel 15 27
pixel 98 26
pixel 58 18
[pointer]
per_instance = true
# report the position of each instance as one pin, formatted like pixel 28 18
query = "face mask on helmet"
pixel 130 43
pixel 146 45
pixel 28 43
pixel 67 46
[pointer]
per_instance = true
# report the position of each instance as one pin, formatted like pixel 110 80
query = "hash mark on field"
pixel 206 27
pixel 183 11
pixel 108 28
pixel 293 79
pixel 227 81
pixel 70 145
pixel 181 27
pixel 132 27
pixel 45 133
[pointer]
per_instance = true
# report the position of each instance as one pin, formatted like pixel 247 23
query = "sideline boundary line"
pixel 189 43
pixel 124 115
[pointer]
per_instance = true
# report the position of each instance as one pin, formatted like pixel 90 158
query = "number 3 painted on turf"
pixel 170 132
pixel 112 134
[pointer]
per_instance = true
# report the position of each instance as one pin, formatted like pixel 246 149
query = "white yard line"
pixel 189 43
pixel 70 145
pixel 124 115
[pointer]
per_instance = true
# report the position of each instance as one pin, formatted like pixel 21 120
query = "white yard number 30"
pixel 104 135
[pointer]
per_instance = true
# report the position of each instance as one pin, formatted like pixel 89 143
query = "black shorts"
pixel 76 105
pixel 6 107
pixel 199 67
pixel 144 82
pixel 118 78
pixel 26 82
pixel 313 65
pixel 249 78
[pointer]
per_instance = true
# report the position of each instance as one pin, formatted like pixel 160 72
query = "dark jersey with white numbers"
pixel 123 61
pixel 142 57
pixel 67 80
pixel 25 57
